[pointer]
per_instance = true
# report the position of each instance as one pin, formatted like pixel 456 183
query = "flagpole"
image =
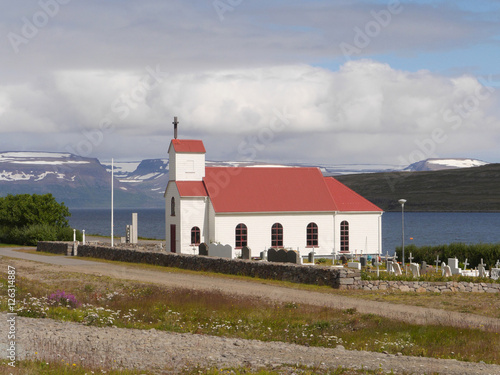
pixel 112 204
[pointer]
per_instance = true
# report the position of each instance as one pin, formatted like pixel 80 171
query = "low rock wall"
pixel 426 286
pixel 336 278
pixel 264 270
pixel 65 248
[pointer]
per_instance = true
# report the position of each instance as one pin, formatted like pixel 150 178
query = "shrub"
pixel 490 253
pixel 64 299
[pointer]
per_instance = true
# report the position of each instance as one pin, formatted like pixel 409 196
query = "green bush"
pixel 489 253
pixel 31 234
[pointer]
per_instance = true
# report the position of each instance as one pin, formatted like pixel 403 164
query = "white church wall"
pixel 193 215
pixel 294 230
pixel 187 167
pixel 172 192
pixel 365 232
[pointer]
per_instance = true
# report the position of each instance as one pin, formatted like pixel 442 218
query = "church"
pixel 262 207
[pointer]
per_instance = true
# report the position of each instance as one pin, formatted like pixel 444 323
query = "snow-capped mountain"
pixel 85 182
pixel 440 164
pixel 74 180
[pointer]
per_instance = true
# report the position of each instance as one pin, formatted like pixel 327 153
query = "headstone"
pixel 437 263
pixel 245 252
pixel 282 256
pixel 343 259
pixel 272 255
pixel 355 265
pixel 389 267
pixel 497 265
pixel 415 269
pixel 377 264
pixel 293 256
pixel 396 268
pixel 446 270
pixel 128 233
pixel 481 268
pixel 411 258
pixel 453 264
pixel 423 267
pixel 495 273
pixel 374 260
pixel 203 249
pixel 362 260
pixel 263 255
pixel 310 257
pixel 133 233
pixel 221 251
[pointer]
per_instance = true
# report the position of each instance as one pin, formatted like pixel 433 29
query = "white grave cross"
pixel 465 264
pixel 437 263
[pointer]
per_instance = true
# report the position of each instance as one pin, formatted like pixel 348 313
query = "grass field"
pixel 102 301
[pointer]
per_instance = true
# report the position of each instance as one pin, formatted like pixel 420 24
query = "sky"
pixel 317 81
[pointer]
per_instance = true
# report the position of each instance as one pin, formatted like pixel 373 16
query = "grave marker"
pixel 203 249
pixel 245 252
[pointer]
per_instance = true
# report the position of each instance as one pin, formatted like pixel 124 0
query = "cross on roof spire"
pixel 175 127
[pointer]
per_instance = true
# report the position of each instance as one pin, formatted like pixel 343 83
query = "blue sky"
pixel 320 81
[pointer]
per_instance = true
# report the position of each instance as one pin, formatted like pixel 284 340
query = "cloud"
pixel 363 103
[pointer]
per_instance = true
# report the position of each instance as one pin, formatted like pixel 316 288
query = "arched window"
pixel 312 235
pixel 195 236
pixel 344 236
pixel 172 207
pixel 241 236
pixel 277 235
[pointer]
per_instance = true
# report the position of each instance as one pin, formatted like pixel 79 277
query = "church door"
pixel 172 238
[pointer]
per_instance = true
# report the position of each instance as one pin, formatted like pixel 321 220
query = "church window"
pixel 312 235
pixel 172 207
pixel 277 235
pixel 241 236
pixel 344 236
pixel 195 236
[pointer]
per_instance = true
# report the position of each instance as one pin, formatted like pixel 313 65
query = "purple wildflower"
pixel 64 299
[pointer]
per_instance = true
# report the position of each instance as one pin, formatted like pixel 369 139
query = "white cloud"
pixel 350 108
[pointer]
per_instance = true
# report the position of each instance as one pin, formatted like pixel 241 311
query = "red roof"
pixel 188 145
pixel 191 188
pixel 348 200
pixel 268 190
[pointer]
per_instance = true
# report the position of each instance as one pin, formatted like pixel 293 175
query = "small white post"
pixel 83 231
pixel 74 235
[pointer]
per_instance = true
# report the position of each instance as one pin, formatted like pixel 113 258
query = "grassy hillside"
pixel 466 189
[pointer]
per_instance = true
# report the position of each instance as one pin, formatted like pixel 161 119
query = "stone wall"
pixel 426 286
pixel 64 248
pixel 336 278
pixel 340 278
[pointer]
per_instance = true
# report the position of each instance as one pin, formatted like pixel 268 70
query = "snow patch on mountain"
pixel 440 164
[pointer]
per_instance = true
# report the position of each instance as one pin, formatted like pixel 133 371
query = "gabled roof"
pixel 348 200
pixel 268 190
pixel 191 188
pixel 187 145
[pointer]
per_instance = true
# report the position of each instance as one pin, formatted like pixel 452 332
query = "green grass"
pixel 30 367
pixel 110 302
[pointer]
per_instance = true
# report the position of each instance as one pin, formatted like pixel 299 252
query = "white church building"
pixel 262 207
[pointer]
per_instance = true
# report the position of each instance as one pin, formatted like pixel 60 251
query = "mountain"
pixel 459 189
pixel 440 164
pixel 85 182
pixel 74 180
